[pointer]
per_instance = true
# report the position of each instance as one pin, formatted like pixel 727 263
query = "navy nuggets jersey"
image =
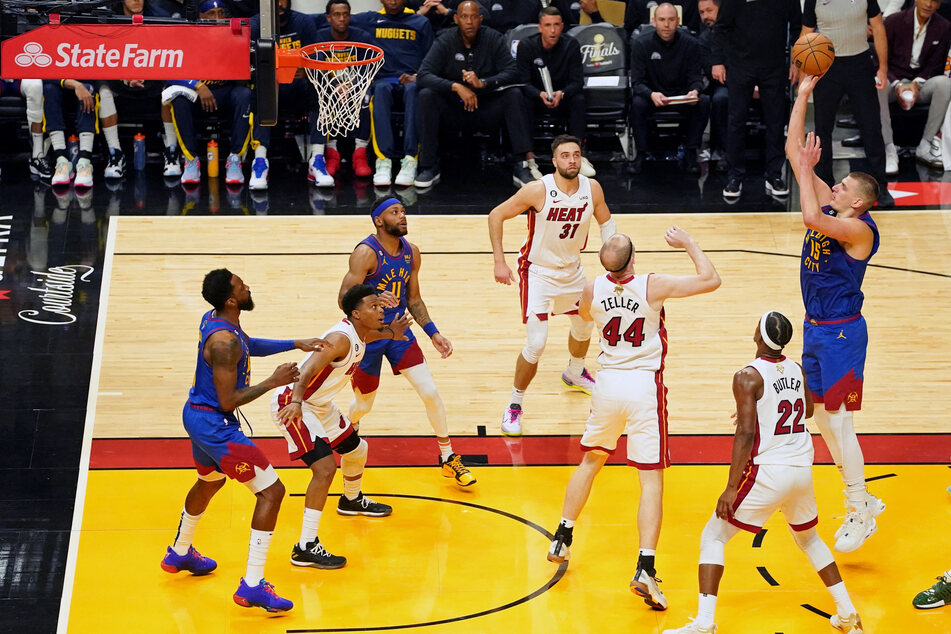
pixel 831 281
pixel 203 390
pixel 392 274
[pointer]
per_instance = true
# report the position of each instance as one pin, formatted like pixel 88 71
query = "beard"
pixel 396 230
pixel 564 173
pixel 247 304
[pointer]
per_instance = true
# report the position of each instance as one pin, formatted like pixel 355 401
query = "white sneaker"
pixel 587 169
pixel 83 173
pixel 259 171
pixel 693 628
pixel 317 172
pixel 891 159
pixel 533 168
pixel 644 585
pixel 851 623
pixel 64 172
pixel 875 505
pixel 925 153
pixel 583 383
pixel 407 173
pixel 858 526
pixel 512 421
pixel 383 176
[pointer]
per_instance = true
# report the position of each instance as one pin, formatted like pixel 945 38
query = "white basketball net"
pixel 340 92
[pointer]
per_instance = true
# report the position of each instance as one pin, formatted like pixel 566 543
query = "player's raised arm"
pixel 362 263
pixel 417 308
pixel 795 133
pixel 601 212
pixel 662 286
pixel 529 196
pixel 222 352
pixel 747 388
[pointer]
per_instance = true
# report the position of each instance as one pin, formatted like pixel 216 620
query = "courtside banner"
pixel 138 51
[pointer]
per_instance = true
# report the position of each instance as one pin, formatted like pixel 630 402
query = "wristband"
pixel 298 402
pixel 430 329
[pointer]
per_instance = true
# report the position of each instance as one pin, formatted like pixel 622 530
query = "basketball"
pixel 813 53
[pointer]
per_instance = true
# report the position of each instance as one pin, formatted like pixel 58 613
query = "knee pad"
pixel 352 463
pixel 536 335
pixel 580 329
pixel 32 91
pixel 713 541
pixel 107 102
pixel 816 550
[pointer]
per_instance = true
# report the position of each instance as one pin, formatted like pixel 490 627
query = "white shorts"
pixel 324 422
pixel 634 401
pixel 555 291
pixel 768 487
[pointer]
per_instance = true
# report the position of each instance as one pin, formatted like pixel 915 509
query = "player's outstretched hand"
pixel 399 326
pixel 284 374
pixel 503 274
pixel 290 413
pixel 442 345
pixel 725 503
pixel 677 237
pixel 388 299
pixel 809 152
pixel 309 345
pixel 807 83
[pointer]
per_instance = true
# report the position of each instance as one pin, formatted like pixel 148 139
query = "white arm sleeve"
pixel 608 229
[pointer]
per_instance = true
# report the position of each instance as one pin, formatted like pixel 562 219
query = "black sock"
pixel 646 563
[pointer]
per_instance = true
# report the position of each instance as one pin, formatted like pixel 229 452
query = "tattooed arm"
pixel 222 352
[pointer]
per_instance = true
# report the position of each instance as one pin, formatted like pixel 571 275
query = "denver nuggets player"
pixel 388 262
pixel 841 238
pixel 550 276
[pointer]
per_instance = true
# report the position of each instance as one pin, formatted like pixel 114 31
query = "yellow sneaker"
pixel 851 624
pixel 453 468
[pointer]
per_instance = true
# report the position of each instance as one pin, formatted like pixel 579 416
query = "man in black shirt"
pixel 461 78
pixel 665 63
pixel 508 14
pixel 719 104
pixel 550 52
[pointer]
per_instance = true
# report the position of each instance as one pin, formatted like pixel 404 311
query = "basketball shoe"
pixel 316 556
pixel 587 169
pixel 937 595
pixel 115 168
pixel 331 160
pixel 874 504
pixel 693 628
pixel 453 468
pixel 83 173
pixel 533 168
pixel 512 420
pixel 261 596
pixel 583 383
pixel 361 168
pixel 64 172
pixel 407 173
pixel 383 176
pixel 40 167
pixel 259 173
pixel 191 175
pixel 317 172
pixel 645 585
pixel 173 165
pixel 234 175
pixel 852 623
pixel 558 551
pixel 362 506
pixel 192 561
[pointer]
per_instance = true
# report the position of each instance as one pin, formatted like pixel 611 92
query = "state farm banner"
pixel 138 51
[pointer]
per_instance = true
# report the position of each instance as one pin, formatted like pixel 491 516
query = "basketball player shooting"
pixel 550 276
pixel 840 239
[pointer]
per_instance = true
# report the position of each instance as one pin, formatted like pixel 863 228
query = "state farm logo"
pixel 33 55
pixel 76 56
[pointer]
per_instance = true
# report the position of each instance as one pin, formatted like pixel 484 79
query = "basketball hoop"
pixel 341 73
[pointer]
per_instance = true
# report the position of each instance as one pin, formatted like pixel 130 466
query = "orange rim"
pixel 294 57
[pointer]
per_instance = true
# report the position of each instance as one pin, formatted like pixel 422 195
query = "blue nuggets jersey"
pixel 391 274
pixel 831 281
pixel 203 390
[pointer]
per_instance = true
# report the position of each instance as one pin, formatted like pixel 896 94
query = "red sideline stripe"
pixel 159 453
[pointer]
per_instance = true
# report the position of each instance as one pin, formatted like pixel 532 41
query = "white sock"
pixel 843 604
pixel 38 149
pixel 576 365
pixel 445 449
pixel 359 143
pixel 112 137
pixel 186 532
pixel 260 152
pixel 58 139
pixel 257 555
pixel 567 523
pixel 332 144
pixel 706 609
pixel 85 141
pixel 171 140
pixel 517 396
pixel 315 148
pixel 647 552
pixel 308 530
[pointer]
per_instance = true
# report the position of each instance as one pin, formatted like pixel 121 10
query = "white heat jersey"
pixel 633 336
pixel 559 230
pixel 781 434
pixel 324 386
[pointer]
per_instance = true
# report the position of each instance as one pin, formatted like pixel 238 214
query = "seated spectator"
pixel 405 37
pixel 637 13
pixel 918 42
pixel 190 98
pixel 459 80
pixel 165 9
pixel 32 91
pixel 719 107
pixel 560 56
pixel 504 15
pixel 440 13
pixel 337 28
pixel 665 62
pixel 55 93
pixel 294 30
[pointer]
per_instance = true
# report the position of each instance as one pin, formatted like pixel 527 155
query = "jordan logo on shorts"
pixel 841 335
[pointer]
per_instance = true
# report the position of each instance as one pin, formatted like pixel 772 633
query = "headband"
pixel 389 202
pixel 204 7
pixel 762 331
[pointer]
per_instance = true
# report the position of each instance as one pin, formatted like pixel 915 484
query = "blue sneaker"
pixel 191 175
pixel 233 172
pixel 317 172
pixel 192 561
pixel 259 170
pixel 261 596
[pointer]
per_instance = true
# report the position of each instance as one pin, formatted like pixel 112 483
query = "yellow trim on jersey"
pixel 178 135
pixel 376 148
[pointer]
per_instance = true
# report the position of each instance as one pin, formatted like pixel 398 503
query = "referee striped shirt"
pixel 842 21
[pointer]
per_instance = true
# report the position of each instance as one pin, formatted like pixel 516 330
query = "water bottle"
pixel 212 159
pixel 138 151
pixel 72 149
